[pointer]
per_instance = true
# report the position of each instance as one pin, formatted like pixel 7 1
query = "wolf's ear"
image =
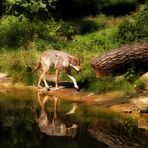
pixel 69 58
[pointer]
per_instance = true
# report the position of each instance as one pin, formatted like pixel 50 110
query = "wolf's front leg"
pixel 74 81
pixel 68 71
pixel 56 79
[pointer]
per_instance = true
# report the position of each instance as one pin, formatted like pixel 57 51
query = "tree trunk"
pixel 119 60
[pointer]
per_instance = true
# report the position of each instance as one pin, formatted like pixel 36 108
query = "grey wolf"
pixel 60 61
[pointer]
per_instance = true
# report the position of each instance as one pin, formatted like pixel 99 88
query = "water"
pixel 36 120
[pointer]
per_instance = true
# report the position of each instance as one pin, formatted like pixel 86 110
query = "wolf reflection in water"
pixel 55 127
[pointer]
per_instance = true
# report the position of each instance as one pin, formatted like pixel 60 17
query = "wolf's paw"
pixel 78 89
pixel 48 89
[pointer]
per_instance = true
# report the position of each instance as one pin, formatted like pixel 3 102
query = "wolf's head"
pixel 75 63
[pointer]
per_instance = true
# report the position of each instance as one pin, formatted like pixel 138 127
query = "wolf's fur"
pixel 61 61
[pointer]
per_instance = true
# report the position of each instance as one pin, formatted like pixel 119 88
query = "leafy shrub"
pixel 135 27
pixel 31 9
pixel 139 85
pixel 96 42
pixel 131 75
pixel 67 29
pixel 79 26
pixel 45 30
pixel 14 31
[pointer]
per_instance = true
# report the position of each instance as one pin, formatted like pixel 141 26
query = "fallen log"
pixel 118 60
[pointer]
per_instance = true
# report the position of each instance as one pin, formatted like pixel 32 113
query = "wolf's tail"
pixel 37 67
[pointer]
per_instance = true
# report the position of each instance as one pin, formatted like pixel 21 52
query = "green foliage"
pixel 138 85
pixel 14 31
pixel 30 8
pixel 41 44
pixel 131 75
pixel 108 83
pixel 21 65
pixel 45 30
pixel 96 41
pixel 60 34
pixel 69 29
pixel 134 28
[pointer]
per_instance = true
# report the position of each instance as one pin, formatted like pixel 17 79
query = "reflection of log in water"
pixel 115 137
pixel 55 127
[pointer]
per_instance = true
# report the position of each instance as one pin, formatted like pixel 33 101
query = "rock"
pixel 144 79
pixel 120 78
pixel 141 103
pixel 3 75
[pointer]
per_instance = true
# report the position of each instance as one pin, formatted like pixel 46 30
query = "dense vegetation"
pixel 86 28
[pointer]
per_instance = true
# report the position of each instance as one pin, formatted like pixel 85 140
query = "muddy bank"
pixel 116 100
pixel 106 99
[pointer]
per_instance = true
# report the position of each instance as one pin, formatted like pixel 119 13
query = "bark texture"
pixel 120 59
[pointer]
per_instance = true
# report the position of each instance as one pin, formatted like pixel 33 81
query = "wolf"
pixel 60 61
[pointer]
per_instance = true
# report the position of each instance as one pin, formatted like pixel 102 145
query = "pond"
pixel 31 119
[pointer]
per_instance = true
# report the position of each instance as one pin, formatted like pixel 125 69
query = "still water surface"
pixel 37 120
